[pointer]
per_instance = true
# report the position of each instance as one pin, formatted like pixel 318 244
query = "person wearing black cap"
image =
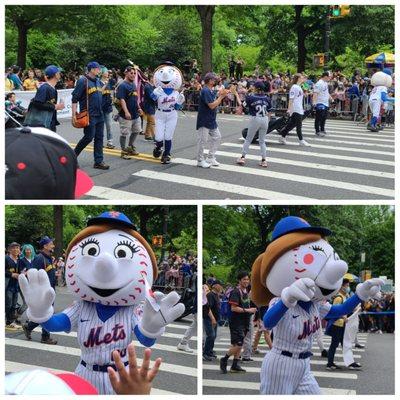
pixel 43 260
pixel 207 126
pixel 88 92
pixel 11 283
pixel 43 107
pixel 259 109
pixel 321 98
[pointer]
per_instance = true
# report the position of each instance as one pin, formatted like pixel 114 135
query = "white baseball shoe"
pixel 184 347
pixel 282 140
pixel 304 143
pixel 213 162
pixel 203 164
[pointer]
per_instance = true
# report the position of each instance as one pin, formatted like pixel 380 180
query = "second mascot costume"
pixel 109 269
pixel 296 274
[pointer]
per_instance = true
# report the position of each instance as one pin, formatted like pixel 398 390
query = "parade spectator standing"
pixel 88 89
pixel 9 85
pixel 336 330
pixel 31 83
pixel 321 100
pixel 232 67
pixel 149 109
pixel 295 110
pixel 210 321
pixel 45 103
pixel 43 260
pixel 129 115
pixel 15 78
pixel 239 68
pixel 11 284
pixel 239 322
pixel 207 126
pixel 106 105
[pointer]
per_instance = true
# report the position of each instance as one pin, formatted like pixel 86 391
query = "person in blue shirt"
pixel 15 79
pixel 11 283
pixel 43 260
pixel 129 115
pixel 259 105
pixel 89 86
pixel 149 109
pixel 106 105
pixel 207 127
pixel 45 102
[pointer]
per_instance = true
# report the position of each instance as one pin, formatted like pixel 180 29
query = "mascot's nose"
pixel 105 268
pixel 334 270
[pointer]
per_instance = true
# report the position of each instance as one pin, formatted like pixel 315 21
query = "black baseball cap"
pixel 40 164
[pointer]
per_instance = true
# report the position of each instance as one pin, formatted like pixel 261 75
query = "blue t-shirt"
pixel 149 105
pixel 127 91
pixel 47 95
pixel 95 94
pixel 106 104
pixel 206 118
pixel 43 261
pixel 259 104
pixel 16 81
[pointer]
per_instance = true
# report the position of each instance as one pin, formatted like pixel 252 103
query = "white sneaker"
pixel 213 162
pixel 282 140
pixel 304 143
pixel 203 164
pixel 184 347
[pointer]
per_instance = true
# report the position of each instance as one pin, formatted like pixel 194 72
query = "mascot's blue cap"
pixel 387 71
pixel 295 224
pixel 112 217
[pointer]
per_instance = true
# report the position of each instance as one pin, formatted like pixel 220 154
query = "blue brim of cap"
pixel 109 221
pixel 310 229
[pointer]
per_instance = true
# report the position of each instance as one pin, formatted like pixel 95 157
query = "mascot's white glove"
pixel 180 99
pixel 153 322
pixel 303 289
pixel 369 289
pixel 158 91
pixel 38 294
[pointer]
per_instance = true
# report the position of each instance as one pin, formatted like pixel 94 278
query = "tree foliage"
pixel 234 236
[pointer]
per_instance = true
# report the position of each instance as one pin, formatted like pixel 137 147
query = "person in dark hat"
pixel 43 260
pixel 43 107
pixel 11 284
pixel 88 93
pixel 207 127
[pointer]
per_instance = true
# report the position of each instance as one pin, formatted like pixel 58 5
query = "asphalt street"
pixel 376 377
pixel 178 372
pixel 349 163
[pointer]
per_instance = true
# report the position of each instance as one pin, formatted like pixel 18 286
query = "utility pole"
pixel 165 215
pixel 327 34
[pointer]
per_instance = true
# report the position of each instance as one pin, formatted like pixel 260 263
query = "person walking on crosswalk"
pixel 295 110
pixel 321 98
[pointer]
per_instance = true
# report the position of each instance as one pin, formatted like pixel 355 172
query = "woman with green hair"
pixel 25 263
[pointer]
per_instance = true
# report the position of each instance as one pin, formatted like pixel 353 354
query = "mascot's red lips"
pixel 326 292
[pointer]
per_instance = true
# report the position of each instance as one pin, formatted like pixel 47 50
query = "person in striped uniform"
pixel 297 272
pixel 109 269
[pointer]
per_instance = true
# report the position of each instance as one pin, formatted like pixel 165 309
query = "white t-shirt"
pixel 376 93
pixel 296 95
pixel 321 88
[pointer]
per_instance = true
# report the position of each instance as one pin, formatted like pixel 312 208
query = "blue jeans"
pixel 107 123
pixel 95 131
pixel 211 333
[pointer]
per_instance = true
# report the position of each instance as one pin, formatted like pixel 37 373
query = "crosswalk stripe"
pixel 361 339
pixel 316 348
pixel 76 352
pixel 106 193
pixel 165 334
pixel 295 178
pixel 284 149
pixel 256 386
pixel 175 369
pixel 318 374
pixel 219 186
pixel 321 146
pixel 363 144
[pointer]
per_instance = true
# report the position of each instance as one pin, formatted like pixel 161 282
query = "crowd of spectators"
pixel 378 322
pixel 177 271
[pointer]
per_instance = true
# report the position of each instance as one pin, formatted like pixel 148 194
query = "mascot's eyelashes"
pixel 318 248
pixel 90 247
pixel 125 249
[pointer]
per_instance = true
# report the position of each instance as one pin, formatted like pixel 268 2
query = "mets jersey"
pixel 259 104
pixel 294 332
pixel 167 101
pixel 376 93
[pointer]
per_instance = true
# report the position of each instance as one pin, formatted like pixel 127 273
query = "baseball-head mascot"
pixel 109 269
pixel 167 80
pixel 381 81
pixel 296 274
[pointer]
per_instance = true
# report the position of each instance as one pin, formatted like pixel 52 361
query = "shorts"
pixel 238 333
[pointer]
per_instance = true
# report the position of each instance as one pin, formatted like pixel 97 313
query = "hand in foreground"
pixel 135 380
